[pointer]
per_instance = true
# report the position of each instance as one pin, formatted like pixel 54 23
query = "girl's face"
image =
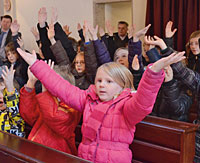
pixel 12 56
pixel 106 87
pixel 194 45
pixel 122 57
pixel 80 63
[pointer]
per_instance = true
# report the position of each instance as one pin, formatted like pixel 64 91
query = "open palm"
pixel 28 57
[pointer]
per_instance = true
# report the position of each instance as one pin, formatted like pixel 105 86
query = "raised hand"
pixel 135 63
pixel 146 41
pixel 155 41
pixel 79 27
pixel 8 76
pixel 50 63
pixel 66 29
pixel 51 31
pixel 86 31
pixel 29 58
pixel 54 15
pixel 101 31
pixel 131 31
pixel 109 28
pixel 168 73
pixel 141 33
pixel 35 33
pixel 168 30
pixel 42 16
pixel 14 27
pixel 93 31
pixel 166 61
pixel 20 41
pixel 31 79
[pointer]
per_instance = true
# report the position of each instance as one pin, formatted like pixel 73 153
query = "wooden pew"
pixel 160 140
pixel 17 150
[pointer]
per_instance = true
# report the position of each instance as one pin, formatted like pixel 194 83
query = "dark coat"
pixel 82 80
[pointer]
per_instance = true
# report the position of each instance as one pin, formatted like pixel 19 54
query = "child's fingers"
pixel 173 58
pixel 12 67
pixel 4 73
pixel 96 28
pixel 52 65
pixel 149 26
pixel 3 76
pixel 49 62
pixel 156 37
pixel 174 30
pixel 14 72
pixel 7 70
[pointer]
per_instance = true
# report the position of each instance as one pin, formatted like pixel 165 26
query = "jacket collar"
pixel 92 94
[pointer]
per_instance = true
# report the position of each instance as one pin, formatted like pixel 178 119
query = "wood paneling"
pixel 14 149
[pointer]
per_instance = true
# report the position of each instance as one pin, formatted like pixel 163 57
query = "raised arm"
pixel 174 98
pixel 61 35
pixel 57 48
pixel 42 28
pixel 11 97
pixel 169 33
pixel 186 75
pixel 102 53
pixel 135 46
pixel 141 104
pixel 56 85
pixel 15 26
pixel 89 53
pixel 28 103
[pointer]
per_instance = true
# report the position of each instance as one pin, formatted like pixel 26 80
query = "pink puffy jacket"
pixel 108 127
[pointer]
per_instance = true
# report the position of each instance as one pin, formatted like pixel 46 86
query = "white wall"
pixel 139 13
pixel 1 7
pixel 70 12
pixel 118 11
pixel 134 12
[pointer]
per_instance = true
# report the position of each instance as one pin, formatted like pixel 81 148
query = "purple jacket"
pixel 133 49
pixel 108 127
pixel 102 53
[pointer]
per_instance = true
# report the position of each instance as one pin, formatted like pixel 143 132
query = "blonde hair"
pixel 64 72
pixel 122 48
pixel 193 35
pixel 119 73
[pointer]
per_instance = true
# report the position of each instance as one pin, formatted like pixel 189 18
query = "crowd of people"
pixel 104 80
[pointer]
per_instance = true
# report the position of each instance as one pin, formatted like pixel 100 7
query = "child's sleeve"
pixel 60 53
pixel 60 118
pixel 12 106
pixel 142 102
pixel 90 61
pixel 27 106
pixel 134 48
pixel 102 53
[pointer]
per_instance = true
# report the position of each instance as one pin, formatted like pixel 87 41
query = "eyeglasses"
pixel 81 62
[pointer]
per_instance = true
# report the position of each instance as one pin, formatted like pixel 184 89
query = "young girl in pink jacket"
pixel 111 108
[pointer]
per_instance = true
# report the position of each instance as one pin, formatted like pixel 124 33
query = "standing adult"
pixel 121 37
pixel 5 34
